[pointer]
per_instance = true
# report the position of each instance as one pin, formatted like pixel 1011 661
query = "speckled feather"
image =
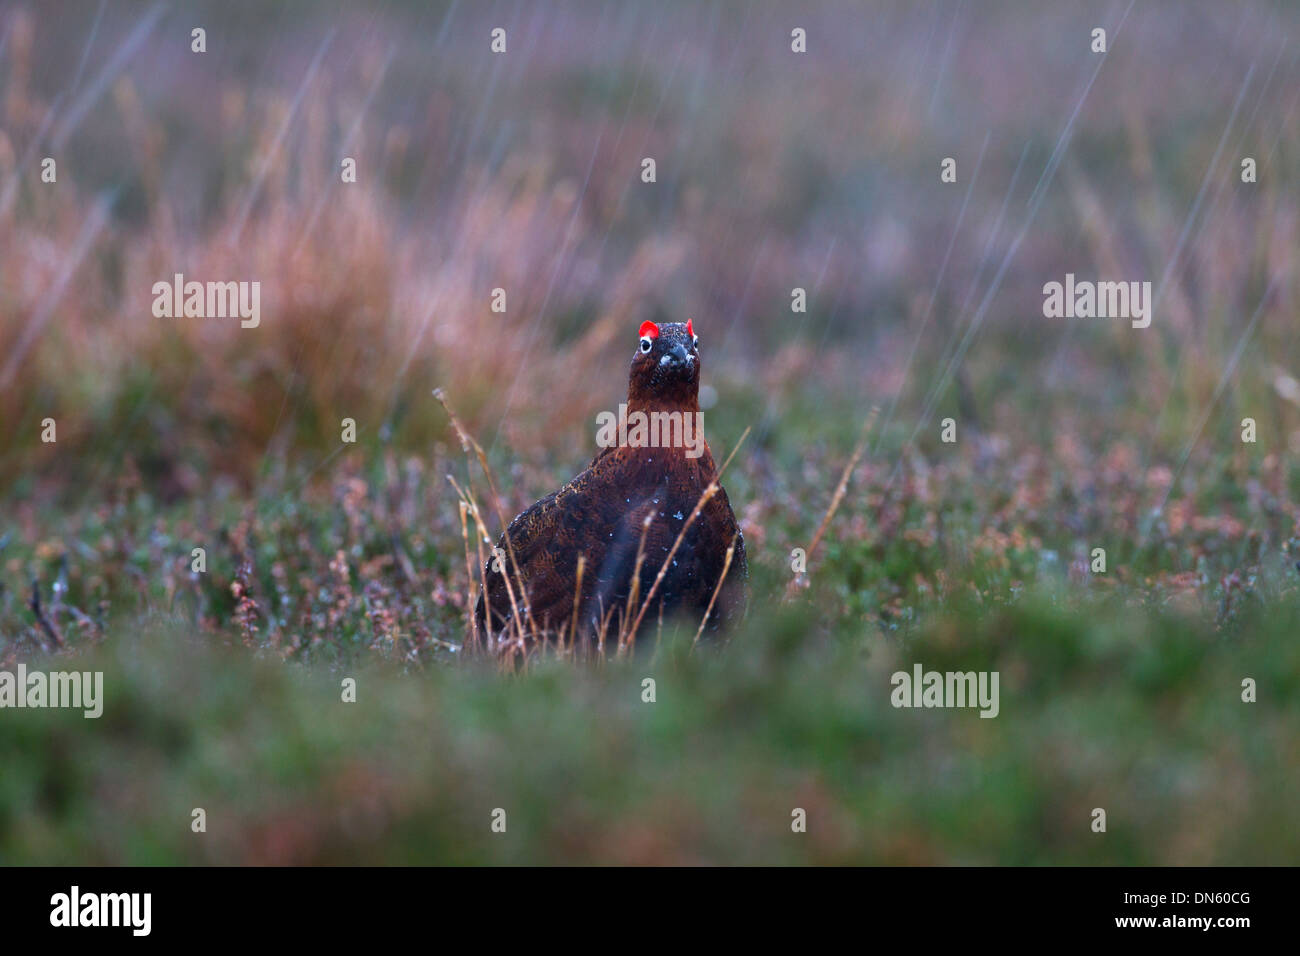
pixel 599 514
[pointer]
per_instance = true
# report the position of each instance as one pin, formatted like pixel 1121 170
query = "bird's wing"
pixel 546 539
pixel 718 523
pixel 626 539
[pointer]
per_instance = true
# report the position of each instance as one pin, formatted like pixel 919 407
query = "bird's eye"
pixel 695 341
pixel 646 343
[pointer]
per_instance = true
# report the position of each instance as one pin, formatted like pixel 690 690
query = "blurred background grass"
pixel 775 170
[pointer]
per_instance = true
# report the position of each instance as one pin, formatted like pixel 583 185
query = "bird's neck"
pixel 667 430
pixel 687 402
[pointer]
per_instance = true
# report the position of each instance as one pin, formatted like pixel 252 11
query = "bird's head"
pixel 666 366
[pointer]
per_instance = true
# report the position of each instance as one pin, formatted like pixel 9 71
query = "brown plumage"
pixel 600 515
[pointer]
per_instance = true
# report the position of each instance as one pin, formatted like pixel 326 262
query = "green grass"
pixel 223 689
pixel 1129 708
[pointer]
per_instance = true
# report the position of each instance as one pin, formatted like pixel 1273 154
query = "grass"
pixel 1137 711
pixel 1120 691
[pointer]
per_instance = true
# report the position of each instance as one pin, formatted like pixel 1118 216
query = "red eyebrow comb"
pixel 648 330
pixel 689 330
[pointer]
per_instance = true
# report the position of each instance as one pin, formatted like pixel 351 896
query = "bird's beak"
pixel 677 355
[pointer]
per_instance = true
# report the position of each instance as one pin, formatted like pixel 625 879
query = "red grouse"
pixel 655 464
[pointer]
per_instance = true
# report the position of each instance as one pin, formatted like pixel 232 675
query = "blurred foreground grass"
pixel 1103 704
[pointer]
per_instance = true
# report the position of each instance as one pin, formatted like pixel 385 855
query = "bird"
pixel 621 519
